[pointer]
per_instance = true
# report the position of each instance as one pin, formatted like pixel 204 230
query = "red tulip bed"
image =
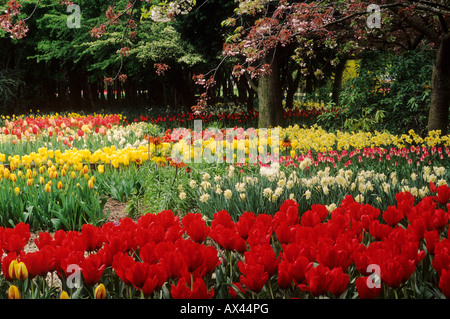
pixel 355 251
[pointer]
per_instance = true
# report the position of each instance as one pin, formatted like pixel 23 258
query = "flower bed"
pixel 353 251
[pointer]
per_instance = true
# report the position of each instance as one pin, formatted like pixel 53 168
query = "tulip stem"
pixel 270 288
pixel 231 265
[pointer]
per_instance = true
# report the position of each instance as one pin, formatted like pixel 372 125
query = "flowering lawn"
pixel 314 214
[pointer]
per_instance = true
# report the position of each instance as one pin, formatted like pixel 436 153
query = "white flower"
pixel 242 196
pixel 240 187
pixel 439 170
pixel 218 190
pixel 204 198
pixel 331 207
pixel 307 194
pixel 305 163
pixel 290 184
pixel 182 195
pixel 441 182
pixel 267 192
pixel 228 193
pixel 193 183
pixel 359 198
pixel 423 191
pixel 205 185
pixel 278 191
pixel 206 176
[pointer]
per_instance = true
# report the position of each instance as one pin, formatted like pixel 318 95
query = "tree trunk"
pixel 270 95
pixel 440 88
pixel 337 84
pixel 292 88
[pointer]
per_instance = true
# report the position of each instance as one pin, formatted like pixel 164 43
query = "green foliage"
pixel 390 92
pixel 162 43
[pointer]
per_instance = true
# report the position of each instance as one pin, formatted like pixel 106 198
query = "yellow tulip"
pixel 13 292
pixel 48 187
pixel 21 271
pixel 17 190
pixel 64 295
pixel 101 169
pixel 12 269
pixel 60 185
pixel 100 292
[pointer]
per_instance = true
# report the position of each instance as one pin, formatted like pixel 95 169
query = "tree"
pixel 263 27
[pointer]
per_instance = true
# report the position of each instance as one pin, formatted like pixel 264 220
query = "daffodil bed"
pixel 334 214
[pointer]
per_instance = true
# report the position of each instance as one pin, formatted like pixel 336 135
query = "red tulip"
pixel 6 261
pixel 198 291
pixel 392 216
pixel 441 256
pixel 439 219
pixel 173 263
pixel 92 237
pixel 92 268
pixel 264 255
pixel 443 192
pixel 285 276
pixel 318 280
pixel 222 218
pixel 253 276
pixel 191 253
pixel 395 271
pixel 38 263
pixel 444 283
pixel 378 230
pixel 121 263
pixel 332 255
pixel 431 238
pixel 245 222
pixel 405 202
pixel 15 239
pixel 195 227
pixel 366 291
pixel 339 281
